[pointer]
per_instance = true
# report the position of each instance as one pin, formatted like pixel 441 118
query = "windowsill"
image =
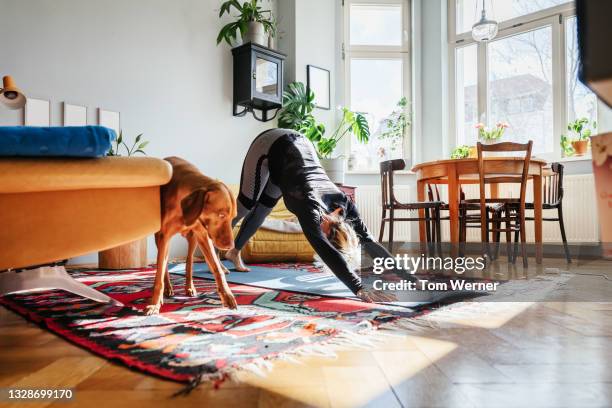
pixel 575 158
pixel 374 172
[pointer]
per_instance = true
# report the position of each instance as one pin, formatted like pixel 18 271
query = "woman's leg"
pixel 251 223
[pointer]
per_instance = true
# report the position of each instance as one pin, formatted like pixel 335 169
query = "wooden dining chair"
pixel 513 214
pixel 552 185
pixel 390 205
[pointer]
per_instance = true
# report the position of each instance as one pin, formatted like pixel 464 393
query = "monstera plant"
pixel 297 114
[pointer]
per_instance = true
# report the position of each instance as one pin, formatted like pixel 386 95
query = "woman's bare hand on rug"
pixel 373 296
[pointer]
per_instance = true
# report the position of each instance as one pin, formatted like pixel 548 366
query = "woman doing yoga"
pixel 283 163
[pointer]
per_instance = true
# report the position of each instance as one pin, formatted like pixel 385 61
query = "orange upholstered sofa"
pixel 54 209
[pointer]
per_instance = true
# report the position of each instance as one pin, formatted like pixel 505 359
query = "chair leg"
pixel 428 226
pixel 508 234
pixel 381 234
pixel 523 239
pixel 563 236
pixel 391 222
pixel 497 233
pixel 438 233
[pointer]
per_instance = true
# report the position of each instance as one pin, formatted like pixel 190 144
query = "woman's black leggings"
pixel 258 195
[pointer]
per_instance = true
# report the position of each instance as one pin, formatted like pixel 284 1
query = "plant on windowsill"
pixel 577 144
pixel 252 22
pixel 297 115
pixel 396 124
pixel 133 254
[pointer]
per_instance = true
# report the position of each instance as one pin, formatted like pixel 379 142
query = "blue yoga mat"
pixel 301 280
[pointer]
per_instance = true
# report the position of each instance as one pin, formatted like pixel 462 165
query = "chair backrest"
pixel 386 180
pixel 504 147
pixel 553 185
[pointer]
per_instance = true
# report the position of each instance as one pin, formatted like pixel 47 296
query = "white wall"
pixel 155 61
pixel 309 38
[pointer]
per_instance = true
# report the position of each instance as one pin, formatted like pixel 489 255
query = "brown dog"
pixel 201 209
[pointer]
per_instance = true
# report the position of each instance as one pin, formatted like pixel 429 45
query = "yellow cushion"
pixel 274 246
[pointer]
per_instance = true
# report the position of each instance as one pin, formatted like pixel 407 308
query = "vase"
pixel 602 172
pixel 334 169
pixel 491 142
pixel 256 33
pixel 580 147
pixel 127 256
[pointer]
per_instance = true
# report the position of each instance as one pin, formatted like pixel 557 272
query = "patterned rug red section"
pixel 196 338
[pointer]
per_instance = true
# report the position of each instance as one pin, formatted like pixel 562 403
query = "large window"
pixel 376 51
pixel 526 76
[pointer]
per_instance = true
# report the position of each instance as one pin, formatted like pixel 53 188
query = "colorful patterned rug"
pixel 195 339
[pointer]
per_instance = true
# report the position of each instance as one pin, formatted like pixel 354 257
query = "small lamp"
pixel 10 95
pixel 485 29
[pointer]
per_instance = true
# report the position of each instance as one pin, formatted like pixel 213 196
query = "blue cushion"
pixel 71 141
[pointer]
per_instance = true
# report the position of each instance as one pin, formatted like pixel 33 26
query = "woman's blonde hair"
pixel 342 236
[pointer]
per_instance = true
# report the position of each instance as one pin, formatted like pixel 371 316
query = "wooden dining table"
pixel 456 172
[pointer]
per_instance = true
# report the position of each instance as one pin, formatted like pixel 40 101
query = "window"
pixel 469 11
pixel 466 94
pixel 527 76
pixel 377 77
pixel 581 102
pixel 520 87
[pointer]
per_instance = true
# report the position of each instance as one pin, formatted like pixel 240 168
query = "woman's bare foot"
pixel 234 256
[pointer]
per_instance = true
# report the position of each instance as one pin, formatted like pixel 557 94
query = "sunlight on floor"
pixel 354 378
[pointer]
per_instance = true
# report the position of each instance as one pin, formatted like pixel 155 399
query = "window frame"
pixel 556 18
pixel 378 52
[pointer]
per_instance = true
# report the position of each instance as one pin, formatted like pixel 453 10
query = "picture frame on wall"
pixel 318 80
pixel 109 119
pixel 37 112
pixel 75 115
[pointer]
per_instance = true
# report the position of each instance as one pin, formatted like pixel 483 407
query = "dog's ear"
pixel 192 206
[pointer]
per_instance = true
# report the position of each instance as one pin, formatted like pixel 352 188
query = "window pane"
pixel 374 24
pixel 376 88
pixel 469 11
pixel 581 102
pixel 466 95
pixel 520 87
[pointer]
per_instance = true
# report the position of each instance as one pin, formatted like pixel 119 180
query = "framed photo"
pixel 75 115
pixel 318 81
pixel 109 119
pixel 37 112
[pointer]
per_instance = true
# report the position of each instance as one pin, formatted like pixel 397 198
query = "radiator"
pixel 579 208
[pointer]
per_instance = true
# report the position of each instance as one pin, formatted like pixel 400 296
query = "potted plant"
pixel 298 104
pixel 252 22
pixel 396 124
pixel 132 254
pixel 461 152
pixel 578 142
pixel 352 123
pixel 491 135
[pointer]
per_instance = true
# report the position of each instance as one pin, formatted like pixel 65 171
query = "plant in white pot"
pixel 253 23
pixel 298 104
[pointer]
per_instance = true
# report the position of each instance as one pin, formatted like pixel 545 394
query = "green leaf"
pixel 138 138
pixel 143 145
pixel 361 128
pixel 120 138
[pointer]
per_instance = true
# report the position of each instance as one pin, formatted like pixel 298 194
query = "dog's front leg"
pixel 190 289
pixel 214 264
pixel 162 242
